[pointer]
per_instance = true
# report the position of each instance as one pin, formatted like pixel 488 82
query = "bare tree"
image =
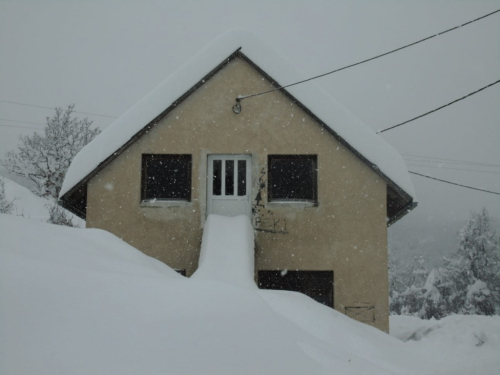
pixel 45 159
pixel 5 206
pixel 59 215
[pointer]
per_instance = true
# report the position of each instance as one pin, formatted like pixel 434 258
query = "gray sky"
pixel 104 56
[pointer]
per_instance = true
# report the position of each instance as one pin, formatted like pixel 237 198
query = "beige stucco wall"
pixel 346 232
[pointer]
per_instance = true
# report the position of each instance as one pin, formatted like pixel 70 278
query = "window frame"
pixel 144 176
pixel 312 157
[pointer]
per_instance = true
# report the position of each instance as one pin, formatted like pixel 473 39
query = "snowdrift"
pixel 81 301
pixel 227 251
pixel 464 343
pixel 29 205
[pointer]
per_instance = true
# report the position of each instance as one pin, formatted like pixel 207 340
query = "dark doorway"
pixel 316 284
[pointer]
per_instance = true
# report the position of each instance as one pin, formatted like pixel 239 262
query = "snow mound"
pixel 29 205
pixel 322 104
pixel 26 203
pixel 227 251
pixel 83 301
pixel 465 343
pixel 462 330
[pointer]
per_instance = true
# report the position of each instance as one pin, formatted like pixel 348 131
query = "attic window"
pixel 292 178
pixel 166 177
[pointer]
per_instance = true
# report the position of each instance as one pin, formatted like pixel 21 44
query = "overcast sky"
pixel 105 56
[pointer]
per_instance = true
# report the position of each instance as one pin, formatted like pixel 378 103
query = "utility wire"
pixel 20 127
pixel 23 122
pixel 437 109
pixel 241 97
pixel 440 162
pixel 454 183
pixel 41 106
pixel 458 161
pixel 457 169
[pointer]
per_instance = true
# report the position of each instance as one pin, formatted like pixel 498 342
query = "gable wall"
pixel 346 232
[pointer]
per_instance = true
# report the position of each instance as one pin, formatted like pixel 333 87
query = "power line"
pixel 441 162
pixel 23 122
pixel 41 106
pixel 437 109
pixel 457 169
pixel 454 183
pixel 451 161
pixel 20 127
pixel 240 98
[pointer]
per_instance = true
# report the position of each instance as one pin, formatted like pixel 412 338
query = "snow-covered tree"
pixel 396 271
pixel 6 207
pixel 469 282
pixel 416 272
pixel 407 293
pixel 45 159
pixel 59 216
pixel 435 290
pixel 473 271
pixel 396 281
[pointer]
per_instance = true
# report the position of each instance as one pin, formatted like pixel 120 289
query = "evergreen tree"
pixel 473 272
pixel 469 282
pixel 409 299
pixel 396 281
pixel 434 295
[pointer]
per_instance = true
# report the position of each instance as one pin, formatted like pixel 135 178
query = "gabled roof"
pixel 359 138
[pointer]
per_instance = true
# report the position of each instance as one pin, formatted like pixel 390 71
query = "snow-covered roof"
pixel 360 137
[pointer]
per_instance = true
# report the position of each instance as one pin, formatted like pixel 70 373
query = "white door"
pixel 229 185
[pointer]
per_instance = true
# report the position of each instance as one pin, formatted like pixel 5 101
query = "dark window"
pixel 242 176
pixel 292 178
pixel 166 177
pixel 217 184
pixel 316 284
pixel 229 177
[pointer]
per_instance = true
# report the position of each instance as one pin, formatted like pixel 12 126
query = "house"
pixel 319 186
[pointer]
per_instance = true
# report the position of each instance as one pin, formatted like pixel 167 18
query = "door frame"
pixel 224 158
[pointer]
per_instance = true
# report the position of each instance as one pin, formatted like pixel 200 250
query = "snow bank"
pixel 462 330
pixel 29 205
pixel 331 112
pixel 26 203
pixel 464 343
pixel 81 301
pixel 227 251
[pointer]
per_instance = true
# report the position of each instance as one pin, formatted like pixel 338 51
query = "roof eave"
pixel 74 210
pixel 401 213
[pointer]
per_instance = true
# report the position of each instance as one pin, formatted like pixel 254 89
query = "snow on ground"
pixel 81 301
pixel 464 342
pixel 29 205
pixel 227 253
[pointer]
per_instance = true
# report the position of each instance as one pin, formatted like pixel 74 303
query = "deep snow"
pixel 227 251
pixel 81 301
pixel 29 205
